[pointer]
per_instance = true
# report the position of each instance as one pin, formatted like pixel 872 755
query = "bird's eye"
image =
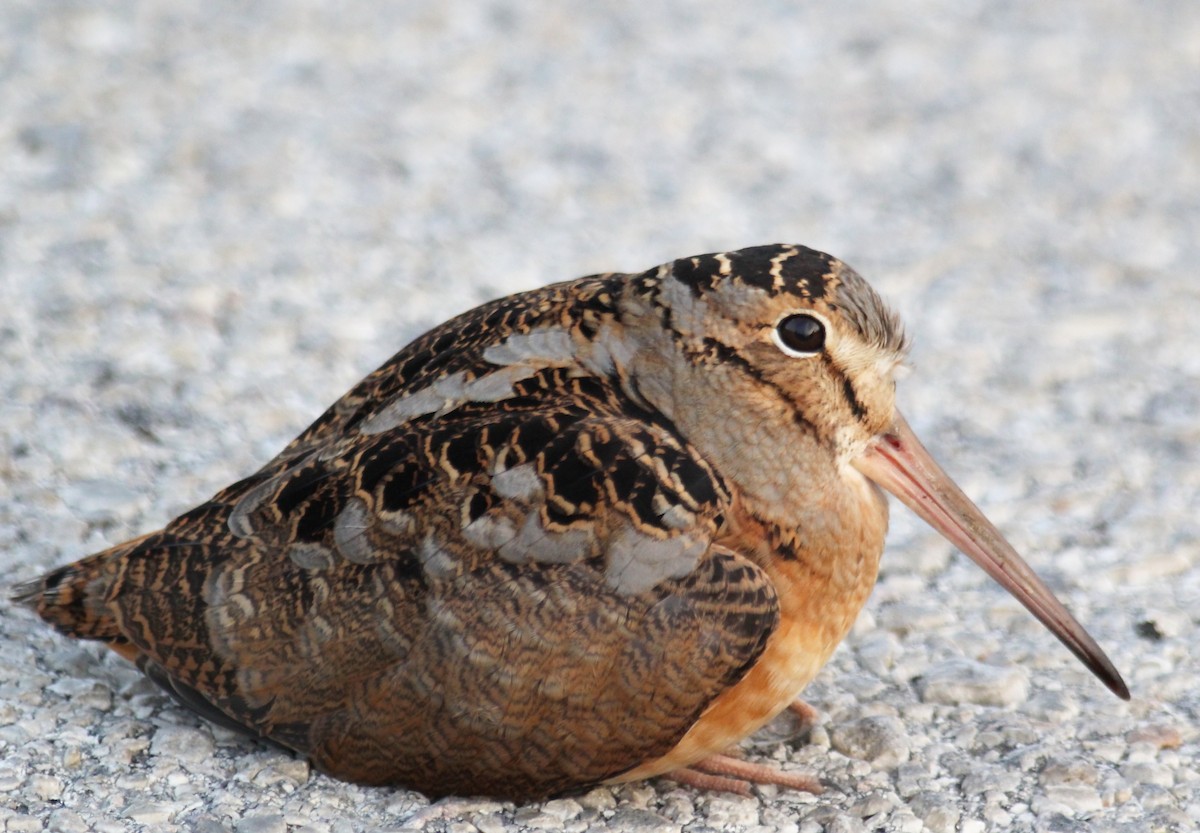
pixel 800 335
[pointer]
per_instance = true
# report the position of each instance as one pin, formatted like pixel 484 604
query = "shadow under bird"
pixel 596 532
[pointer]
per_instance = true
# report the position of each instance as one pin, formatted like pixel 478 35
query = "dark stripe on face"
pixel 727 355
pixel 848 390
pixel 856 406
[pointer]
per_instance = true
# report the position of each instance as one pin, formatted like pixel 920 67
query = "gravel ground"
pixel 216 217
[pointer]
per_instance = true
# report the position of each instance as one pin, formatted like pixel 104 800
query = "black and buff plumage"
pixel 595 531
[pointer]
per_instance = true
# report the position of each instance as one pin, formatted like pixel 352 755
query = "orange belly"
pixel 816 613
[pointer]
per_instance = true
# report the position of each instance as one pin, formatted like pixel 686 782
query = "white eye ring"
pixel 800 334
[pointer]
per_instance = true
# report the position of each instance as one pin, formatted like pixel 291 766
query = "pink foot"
pixel 728 774
pixel 805 713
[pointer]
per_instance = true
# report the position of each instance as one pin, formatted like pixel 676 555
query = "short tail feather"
pixel 72 598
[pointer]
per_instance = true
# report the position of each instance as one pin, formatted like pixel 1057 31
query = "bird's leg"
pixel 806 714
pixel 734 775
pixel 708 782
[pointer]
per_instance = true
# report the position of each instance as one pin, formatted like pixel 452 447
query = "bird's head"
pixel 790 345
pixel 804 332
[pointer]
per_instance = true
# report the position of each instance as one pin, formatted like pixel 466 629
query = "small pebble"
pixel 845 824
pixel 877 652
pixel 1052 706
pixel 269 823
pixel 149 812
pixel 641 821
pixel 1164 737
pixel 68 821
pixel 23 824
pixel 182 743
pixel 991 778
pixel 1068 771
pixel 1148 772
pixel 937 812
pixel 997 816
pixel 10 779
pixel 208 824
pixel 1076 797
pixel 538 821
pixel 1164 624
pixel 562 809
pixel 723 810
pixel 881 740
pixel 601 798
pixel 46 787
pixel 490 824
pixel 1154 797
pixel 872 805
pixel 904 821
pixel 959 681
pixel 902 618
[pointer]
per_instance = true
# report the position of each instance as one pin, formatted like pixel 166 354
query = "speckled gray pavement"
pixel 214 218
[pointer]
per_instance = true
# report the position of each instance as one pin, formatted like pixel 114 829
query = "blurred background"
pixel 214 218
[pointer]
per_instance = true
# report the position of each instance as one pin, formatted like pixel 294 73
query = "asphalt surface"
pixel 215 218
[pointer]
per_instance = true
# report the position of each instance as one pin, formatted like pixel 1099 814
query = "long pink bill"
pixel 900 464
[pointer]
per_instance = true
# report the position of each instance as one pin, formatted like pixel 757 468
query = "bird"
pixel 590 533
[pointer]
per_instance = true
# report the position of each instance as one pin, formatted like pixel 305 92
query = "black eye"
pixel 800 335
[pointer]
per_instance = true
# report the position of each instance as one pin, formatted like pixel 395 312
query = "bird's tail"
pixel 73 598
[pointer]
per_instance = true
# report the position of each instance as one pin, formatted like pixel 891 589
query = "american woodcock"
pixel 591 533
